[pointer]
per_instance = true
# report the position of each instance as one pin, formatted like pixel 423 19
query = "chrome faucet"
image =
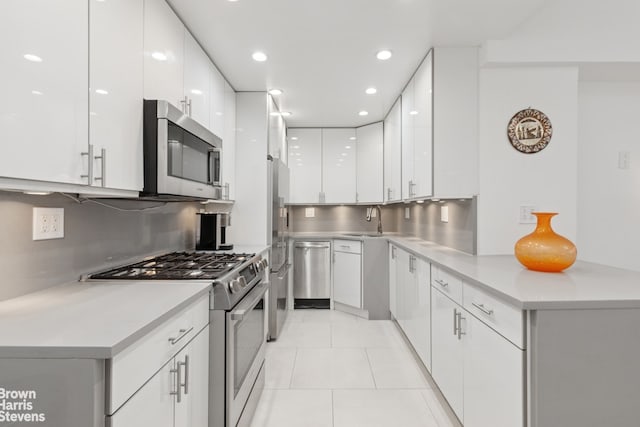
pixel 379 215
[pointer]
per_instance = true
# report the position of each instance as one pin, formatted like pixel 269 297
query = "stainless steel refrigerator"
pixel 279 259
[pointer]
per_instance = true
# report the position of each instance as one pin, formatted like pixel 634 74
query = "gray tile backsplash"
pixel 95 237
pixel 424 221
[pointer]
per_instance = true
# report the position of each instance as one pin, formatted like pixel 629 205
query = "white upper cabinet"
pixel 163 53
pixel 229 143
pixel 455 111
pixel 339 165
pixel 217 108
pixel 370 160
pixel 305 164
pixel 417 133
pixel 197 80
pixel 44 109
pixel 393 154
pixel 115 93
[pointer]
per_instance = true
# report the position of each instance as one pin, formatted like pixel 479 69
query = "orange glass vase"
pixel 544 249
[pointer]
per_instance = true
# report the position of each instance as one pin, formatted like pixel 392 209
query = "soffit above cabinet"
pixel 322 54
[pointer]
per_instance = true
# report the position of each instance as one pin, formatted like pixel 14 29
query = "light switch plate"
pixel 310 212
pixel 407 213
pixel 48 223
pixel 444 213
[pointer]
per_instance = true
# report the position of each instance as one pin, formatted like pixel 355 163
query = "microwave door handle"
pixel 210 161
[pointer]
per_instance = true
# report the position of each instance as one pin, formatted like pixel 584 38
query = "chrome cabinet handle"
pixel 103 163
pixel 183 333
pixel 455 322
pixel 89 154
pixel 184 384
pixel 226 194
pixel 389 193
pixel 183 103
pixel 356 197
pixel 178 383
pixel 441 283
pixel 483 309
pixel 393 252
pixel 460 319
pixel 189 107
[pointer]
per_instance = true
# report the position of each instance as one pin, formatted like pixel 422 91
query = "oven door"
pixel 246 341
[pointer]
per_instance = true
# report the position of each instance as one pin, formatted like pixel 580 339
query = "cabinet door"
pixel 393 280
pixel 369 167
pixel 409 114
pixel 229 142
pixel 403 276
pixel 393 154
pixel 193 362
pixel 115 97
pixel 421 318
pixel 197 78
pixel 422 120
pixel 217 110
pixel 305 163
pixel 347 280
pixel 152 405
pixel 493 378
pixel 339 165
pixel 446 351
pixel 163 53
pixel 44 108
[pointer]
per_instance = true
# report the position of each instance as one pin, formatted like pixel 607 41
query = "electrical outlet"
pixel 525 215
pixel 407 213
pixel 48 223
pixel 444 213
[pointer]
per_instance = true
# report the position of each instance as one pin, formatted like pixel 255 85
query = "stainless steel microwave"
pixel 181 157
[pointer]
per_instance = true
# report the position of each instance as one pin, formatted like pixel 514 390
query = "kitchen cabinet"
pixel 163 53
pixel 417 133
pixel 115 96
pixel 229 143
pixel 455 114
pixel 218 98
pixel 369 163
pixel 339 165
pixel 44 110
pixel 305 154
pixel 418 302
pixel 393 280
pixel 277 132
pixel 197 81
pixel 393 154
pixel 347 272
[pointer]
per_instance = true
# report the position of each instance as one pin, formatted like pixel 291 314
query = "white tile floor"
pixel 329 368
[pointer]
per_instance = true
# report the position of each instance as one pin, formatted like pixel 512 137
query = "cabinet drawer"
pixel 449 284
pixel 351 246
pixel 497 314
pixel 131 368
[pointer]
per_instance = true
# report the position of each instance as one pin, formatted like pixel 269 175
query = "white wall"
pixel 609 197
pixel 249 217
pixel 508 178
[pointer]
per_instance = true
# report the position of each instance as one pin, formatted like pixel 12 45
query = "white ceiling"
pixel 322 53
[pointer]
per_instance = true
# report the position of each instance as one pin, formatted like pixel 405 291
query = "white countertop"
pixel 93 320
pixel 584 285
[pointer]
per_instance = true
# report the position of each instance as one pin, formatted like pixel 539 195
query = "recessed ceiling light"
pixel 36 92
pixel 296 146
pixel 259 56
pixel 196 91
pixel 413 112
pixel 363 113
pixel 383 55
pixel 32 58
pixel 274 113
pixel 102 92
pixel 371 90
pixel 275 92
pixel 352 138
pixel 159 56
pixel 285 113
pixel 294 138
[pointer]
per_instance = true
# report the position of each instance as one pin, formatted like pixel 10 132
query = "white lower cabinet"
pixel 479 371
pixel 347 273
pixel 393 281
pixel 193 361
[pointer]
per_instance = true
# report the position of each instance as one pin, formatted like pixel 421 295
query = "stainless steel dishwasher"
pixel 312 274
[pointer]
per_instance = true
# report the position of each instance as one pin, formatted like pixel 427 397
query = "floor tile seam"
pixel 375 383
pixel 293 369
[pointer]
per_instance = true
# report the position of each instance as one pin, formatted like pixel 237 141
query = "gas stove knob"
pixel 243 281
pixel 235 286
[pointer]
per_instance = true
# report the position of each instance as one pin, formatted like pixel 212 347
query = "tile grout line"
pixel 375 384
pixel 295 359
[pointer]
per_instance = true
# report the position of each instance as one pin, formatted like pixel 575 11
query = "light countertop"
pixel 584 285
pixel 93 320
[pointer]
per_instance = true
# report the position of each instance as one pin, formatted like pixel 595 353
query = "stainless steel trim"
pixel 482 308
pixel 183 333
pixel 89 154
pixel 312 245
pixel 441 283
pixel 178 381
pixel 103 162
pixel 249 301
pixel 168 111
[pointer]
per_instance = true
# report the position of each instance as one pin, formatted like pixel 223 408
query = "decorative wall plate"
pixel 529 131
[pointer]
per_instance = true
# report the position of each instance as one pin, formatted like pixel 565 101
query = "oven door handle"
pixel 256 294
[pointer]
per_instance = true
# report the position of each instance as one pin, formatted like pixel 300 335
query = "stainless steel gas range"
pixel 238 323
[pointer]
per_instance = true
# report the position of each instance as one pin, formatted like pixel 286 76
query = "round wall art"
pixel 529 131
